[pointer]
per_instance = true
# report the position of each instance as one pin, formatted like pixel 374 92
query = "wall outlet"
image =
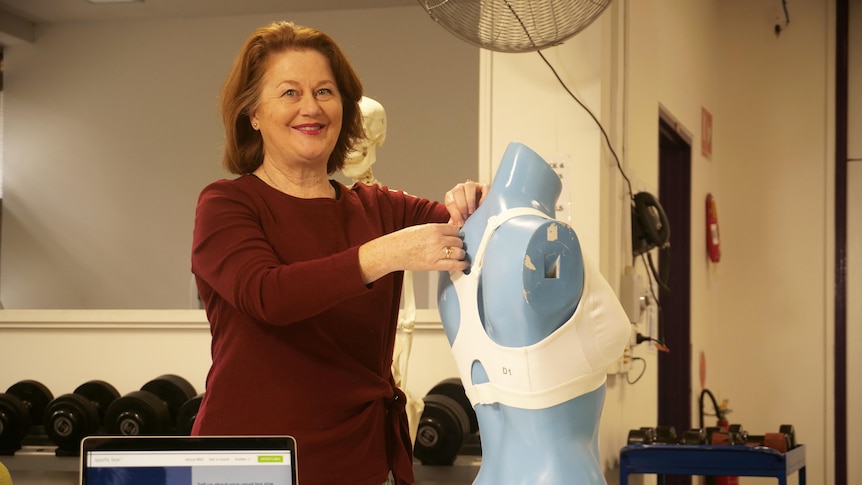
pixel 632 295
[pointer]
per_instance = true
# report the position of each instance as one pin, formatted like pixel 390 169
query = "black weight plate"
pixel 454 388
pixel 68 419
pixel 100 393
pixel 441 431
pixel 35 396
pixel 173 390
pixel 708 432
pixel 138 413
pixel 696 436
pixel 790 432
pixel 665 433
pixel 14 423
pixel 638 437
pixel 187 414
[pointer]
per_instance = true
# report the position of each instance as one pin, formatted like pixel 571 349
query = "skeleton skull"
pixel 357 164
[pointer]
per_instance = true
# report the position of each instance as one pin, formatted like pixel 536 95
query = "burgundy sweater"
pixel 300 345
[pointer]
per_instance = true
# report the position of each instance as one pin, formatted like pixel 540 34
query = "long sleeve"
pixel 254 248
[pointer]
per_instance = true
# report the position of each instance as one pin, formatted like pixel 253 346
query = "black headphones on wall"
pixel 650 228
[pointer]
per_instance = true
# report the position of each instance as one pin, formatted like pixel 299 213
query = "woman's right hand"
pixel 426 247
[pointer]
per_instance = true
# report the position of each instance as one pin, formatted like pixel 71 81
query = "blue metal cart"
pixel 707 460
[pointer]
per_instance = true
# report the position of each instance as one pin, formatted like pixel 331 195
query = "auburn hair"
pixel 243 150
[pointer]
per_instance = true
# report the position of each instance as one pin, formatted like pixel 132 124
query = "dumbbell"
pixel 782 441
pixel 187 414
pixel 694 436
pixel 454 388
pixel 151 410
pixel 444 424
pixel 663 434
pixel 790 432
pixel 641 436
pixel 711 435
pixel 71 417
pixel 441 431
pixel 22 407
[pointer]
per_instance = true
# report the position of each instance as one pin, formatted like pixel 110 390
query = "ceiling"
pixel 18 18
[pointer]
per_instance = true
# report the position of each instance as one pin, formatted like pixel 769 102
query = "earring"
pixel 254 125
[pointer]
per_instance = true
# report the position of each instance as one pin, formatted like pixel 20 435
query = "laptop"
pixel 188 460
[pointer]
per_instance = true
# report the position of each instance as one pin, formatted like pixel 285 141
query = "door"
pixel 674 367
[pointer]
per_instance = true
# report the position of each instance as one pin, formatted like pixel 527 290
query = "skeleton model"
pixel 533 326
pixel 358 163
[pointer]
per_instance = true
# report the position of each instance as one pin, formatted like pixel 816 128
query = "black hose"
pixel 715 406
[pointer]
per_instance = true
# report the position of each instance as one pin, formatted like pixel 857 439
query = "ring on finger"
pixel 448 251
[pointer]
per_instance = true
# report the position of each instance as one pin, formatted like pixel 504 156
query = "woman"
pixel 300 275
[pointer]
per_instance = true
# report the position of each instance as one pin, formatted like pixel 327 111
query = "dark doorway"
pixel 674 367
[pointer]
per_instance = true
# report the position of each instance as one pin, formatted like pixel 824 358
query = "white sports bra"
pixel 570 362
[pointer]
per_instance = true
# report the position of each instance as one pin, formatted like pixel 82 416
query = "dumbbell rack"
pixel 711 460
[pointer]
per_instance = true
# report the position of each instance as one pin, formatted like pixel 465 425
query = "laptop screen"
pixel 188 460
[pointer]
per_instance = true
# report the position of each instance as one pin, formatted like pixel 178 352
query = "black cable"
pixel 601 128
pixel 643 371
pixel 715 406
pixel 641 338
pixel 655 272
pixel 660 341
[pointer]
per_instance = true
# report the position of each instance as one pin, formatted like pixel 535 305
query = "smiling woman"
pixel 298 271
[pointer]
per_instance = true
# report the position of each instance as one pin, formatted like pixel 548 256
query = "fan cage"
pixel 514 25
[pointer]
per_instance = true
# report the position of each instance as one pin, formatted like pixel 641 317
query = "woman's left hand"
pixel 463 200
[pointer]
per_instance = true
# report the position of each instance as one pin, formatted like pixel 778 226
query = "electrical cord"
pixel 641 338
pixel 778 27
pixel 596 120
pixel 660 342
pixel 651 266
pixel 643 371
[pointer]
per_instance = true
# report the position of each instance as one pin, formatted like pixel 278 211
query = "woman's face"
pixel 299 111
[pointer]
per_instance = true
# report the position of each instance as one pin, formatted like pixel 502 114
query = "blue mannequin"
pixel 533 326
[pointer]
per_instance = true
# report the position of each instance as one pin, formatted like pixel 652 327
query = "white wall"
pixel 112 129
pixel 854 317
pixel 773 288
pixel 854 245
pixel 762 315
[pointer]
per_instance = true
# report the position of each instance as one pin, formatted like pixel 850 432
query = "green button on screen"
pixel 270 459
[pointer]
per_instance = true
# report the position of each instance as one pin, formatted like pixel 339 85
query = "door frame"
pixel 674 367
